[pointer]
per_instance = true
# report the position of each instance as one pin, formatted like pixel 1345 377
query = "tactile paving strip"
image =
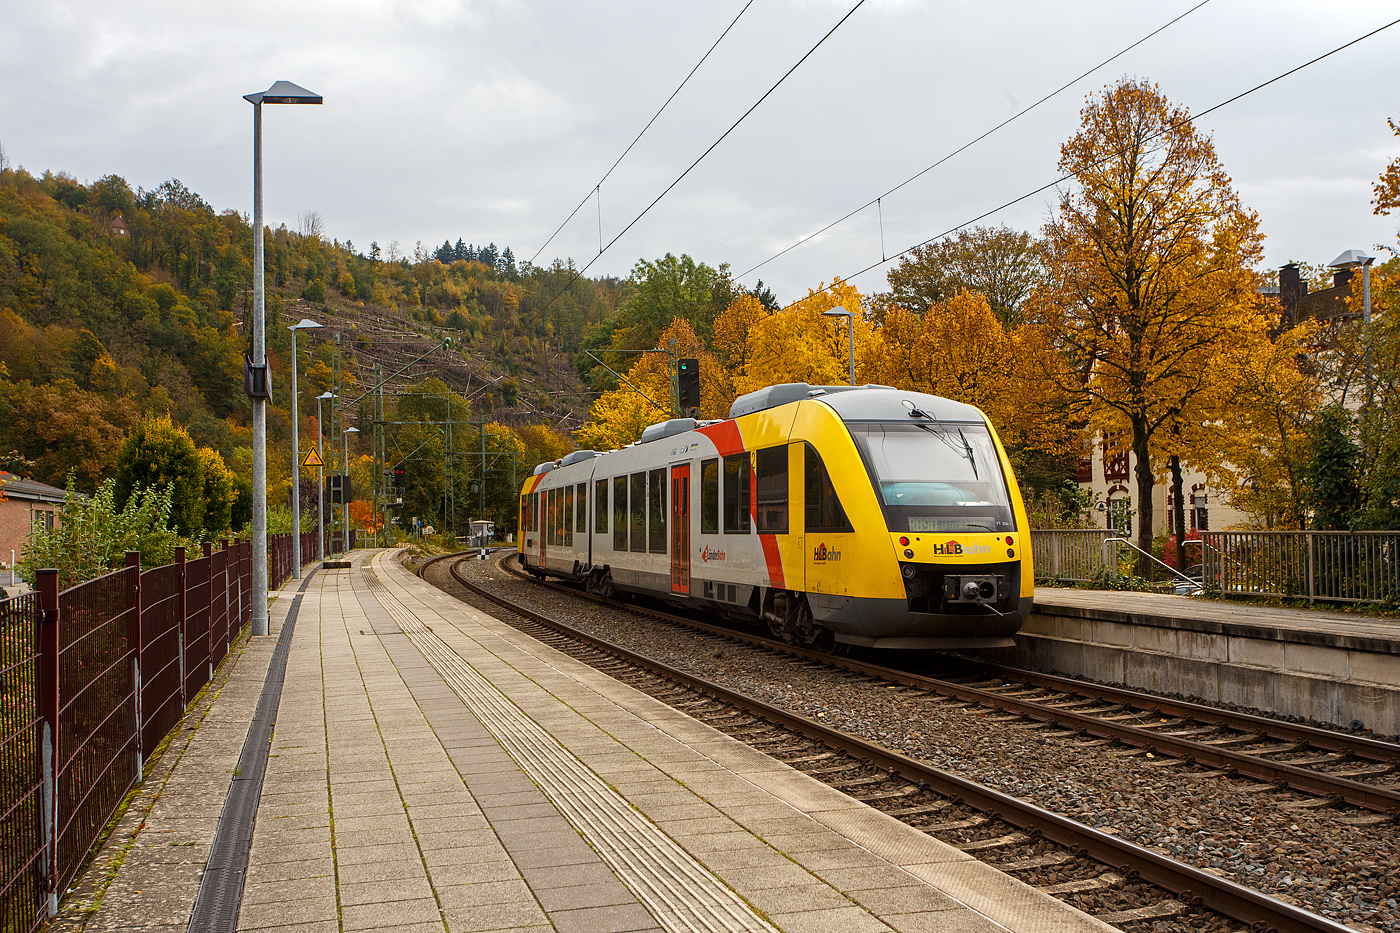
pixel 678 891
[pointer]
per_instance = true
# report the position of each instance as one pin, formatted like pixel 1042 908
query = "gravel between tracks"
pixel 1315 857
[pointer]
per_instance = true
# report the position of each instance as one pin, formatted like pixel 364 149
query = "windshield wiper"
pixel 971 458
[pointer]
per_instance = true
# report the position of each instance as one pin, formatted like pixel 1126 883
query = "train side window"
pixel 736 494
pixel 581 519
pixel 568 516
pixel 637 512
pixel 824 512
pixel 600 507
pixel 656 512
pixel 524 514
pixel 619 488
pixel 709 497
pixel 771 469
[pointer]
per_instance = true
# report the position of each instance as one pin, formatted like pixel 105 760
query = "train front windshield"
pixel 936 477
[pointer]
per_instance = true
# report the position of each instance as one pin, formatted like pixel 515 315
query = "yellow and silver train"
pixel 833 515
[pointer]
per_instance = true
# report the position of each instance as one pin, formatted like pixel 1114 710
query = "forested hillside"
pixel 115 304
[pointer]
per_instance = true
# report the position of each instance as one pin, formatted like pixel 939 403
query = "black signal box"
pixel 688 381
pixel 400 476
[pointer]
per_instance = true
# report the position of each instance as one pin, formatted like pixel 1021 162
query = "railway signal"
pixel 688 381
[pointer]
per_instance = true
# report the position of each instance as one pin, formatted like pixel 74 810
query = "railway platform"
pixel 1336 667
pixel 433 769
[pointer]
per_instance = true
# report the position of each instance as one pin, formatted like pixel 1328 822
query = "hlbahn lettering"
pixel 821 554
pixel 957 547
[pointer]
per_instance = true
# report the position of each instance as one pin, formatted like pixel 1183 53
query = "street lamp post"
pixel 850 326
pixel 344 497
pixel 321 482
pixel 305 324
pixel 282 92
pixel 1350 260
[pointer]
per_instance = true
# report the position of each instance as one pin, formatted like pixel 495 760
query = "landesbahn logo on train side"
pixel 821 554
pixel 708 554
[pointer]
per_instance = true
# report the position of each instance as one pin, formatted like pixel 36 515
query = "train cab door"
pixel 680 529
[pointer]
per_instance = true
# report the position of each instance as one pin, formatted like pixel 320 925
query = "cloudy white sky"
pixel 490 119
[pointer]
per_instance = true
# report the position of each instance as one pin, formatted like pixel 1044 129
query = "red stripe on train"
pixel 725 436
pixel 774 559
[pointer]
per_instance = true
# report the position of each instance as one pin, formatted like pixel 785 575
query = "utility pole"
pixel 375 520
pixel 675 383
pixel 481 482
pixel 335 431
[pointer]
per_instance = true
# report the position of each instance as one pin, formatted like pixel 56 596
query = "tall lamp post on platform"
pixel 321 482
pixel 345 492
pixel 851 326
pixel 1350 260
pixel 283 92
pixel 306 324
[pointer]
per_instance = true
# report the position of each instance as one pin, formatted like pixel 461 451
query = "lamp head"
pixel 328 395
pixel 352 430
pixel 836 312
pixel 1351 258
pixel 284 92
pixel 305 324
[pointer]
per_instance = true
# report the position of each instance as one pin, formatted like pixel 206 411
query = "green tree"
pixel 1332 472
pixel 157 454
pixel 1001 264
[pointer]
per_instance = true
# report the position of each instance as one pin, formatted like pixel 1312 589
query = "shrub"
pixel 90 537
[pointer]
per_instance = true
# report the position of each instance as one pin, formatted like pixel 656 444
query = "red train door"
pixel 680 529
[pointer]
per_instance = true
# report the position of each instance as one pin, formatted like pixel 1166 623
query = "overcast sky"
pixel 491 119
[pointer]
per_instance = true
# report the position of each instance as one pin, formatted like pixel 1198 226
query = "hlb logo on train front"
pixel 957 547
pixel 821 554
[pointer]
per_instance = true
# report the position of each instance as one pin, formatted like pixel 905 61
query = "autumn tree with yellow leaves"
pixel 801 344
pixel 1149 261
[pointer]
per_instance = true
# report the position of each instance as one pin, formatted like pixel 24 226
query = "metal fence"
pixel 1069 556
pixel 91 681
pixel 1331 566
pixel 21 893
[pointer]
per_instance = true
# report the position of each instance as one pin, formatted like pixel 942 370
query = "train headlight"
pixel 908 571
pixel 908 552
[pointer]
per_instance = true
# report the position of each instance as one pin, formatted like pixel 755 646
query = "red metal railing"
pixel 21 893
pixel 91 681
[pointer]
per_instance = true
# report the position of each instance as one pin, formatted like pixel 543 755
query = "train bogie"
pixel 866 516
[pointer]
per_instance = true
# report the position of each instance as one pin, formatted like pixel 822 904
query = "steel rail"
pixel 1236 763
pixel 1358 745
pixel 1191 885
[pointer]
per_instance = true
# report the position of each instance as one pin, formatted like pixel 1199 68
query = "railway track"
pixel 1336 767
pixel 1126 884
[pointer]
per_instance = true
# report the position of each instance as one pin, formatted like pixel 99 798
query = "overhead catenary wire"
pixel 1066 177
pixel 637 139
pixel 578 273
pixel 972 142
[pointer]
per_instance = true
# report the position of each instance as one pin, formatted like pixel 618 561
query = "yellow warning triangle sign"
pixel 311 460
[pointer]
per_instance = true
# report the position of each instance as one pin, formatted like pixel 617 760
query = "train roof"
pixel 857 403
